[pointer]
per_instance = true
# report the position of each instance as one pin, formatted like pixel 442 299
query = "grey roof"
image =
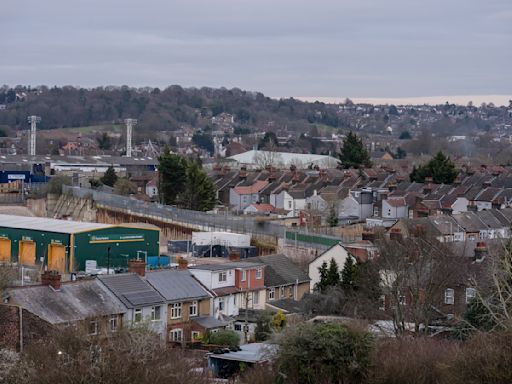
pixel 250 353
pixel 209 322
pixel 176 285
pixel 287 305
pixel 226 266
pixel 132 290
pixel 49 225
pixel 73 302
pixel 280 270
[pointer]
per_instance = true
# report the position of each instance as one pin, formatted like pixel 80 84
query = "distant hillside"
pixel 157 110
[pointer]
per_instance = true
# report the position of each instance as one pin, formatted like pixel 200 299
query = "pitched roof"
pixel 225 266
pixel 263 207
pixel 132 290
pixel 176 285
pixel 280 270
pixel 256 187
pixel 74 301
pixel 396 202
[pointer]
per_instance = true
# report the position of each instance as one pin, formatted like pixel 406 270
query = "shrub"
pixel 324 353
pixel 223 337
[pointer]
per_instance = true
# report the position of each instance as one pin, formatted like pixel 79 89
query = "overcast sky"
pixel 354 48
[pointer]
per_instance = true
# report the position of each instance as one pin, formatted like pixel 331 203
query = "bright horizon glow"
pixel 477 100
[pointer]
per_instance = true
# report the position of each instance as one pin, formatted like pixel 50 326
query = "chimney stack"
pixel 480 251
pixel 234 256
pixel 137 266
pixel 52 279
pixel 182 263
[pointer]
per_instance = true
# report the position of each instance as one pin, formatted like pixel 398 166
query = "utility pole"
pixel 33 120
pixel 130 123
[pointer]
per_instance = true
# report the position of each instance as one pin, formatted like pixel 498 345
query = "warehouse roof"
pixel 72 302
pixel 176 285
pixel 49 225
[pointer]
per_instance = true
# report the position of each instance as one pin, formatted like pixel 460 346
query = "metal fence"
pixel 209 221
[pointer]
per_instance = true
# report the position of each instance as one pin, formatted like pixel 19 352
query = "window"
pixel 192 310
pixel 93 327
pixel 259 273
pixel 289 204
pixel 255 298
pixel 222 277
pixel 175 311
pixel 196 335
pixel 138 315
pixel 290 292
pixel 470 294
pixel 402 300
pixel 271 293
pixel 221 304
pixel 238 327
pixel 176 334
pixel 449 296
pixel 155 313
pixel 113 324
pixel 281 292
pixel 244 275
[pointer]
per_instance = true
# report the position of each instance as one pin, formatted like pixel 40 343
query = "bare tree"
pixel 415 272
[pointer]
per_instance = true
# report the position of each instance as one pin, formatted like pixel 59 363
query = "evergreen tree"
pixel 349 275
pixel 353 153
pixel 263 329
pixel 173 176
pixel 332 219
pixel 199 192
pixel 333 274
pixel 440 168
pixel 322 284
pixel 110 177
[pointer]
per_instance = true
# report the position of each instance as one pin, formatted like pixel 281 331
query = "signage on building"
pixel 114 238
pixel 16 177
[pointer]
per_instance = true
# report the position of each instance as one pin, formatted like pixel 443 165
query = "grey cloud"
pixel 288 47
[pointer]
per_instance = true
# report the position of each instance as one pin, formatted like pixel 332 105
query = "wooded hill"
pixel 158 110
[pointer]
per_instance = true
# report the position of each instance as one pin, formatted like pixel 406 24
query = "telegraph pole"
pixel 130 123
pixel 33 120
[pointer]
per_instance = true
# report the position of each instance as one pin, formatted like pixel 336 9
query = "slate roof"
pixel 209 322
pixel 225 266
pixel 280 270
pixel 287 305
pixel 176 285
pixel 74 301
pixel 132 290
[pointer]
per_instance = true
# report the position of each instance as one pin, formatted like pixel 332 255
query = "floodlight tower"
pixel 129 126
pixel 33 120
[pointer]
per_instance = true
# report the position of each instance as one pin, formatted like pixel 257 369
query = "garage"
pixel 68 246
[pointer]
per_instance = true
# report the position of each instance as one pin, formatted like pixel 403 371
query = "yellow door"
pixel 57 258
pixel 27 252
pixel 5 250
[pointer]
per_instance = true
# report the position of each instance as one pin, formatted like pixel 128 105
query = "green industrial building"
pixel 65 246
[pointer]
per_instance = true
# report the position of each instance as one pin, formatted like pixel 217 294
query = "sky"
pixel 283 48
